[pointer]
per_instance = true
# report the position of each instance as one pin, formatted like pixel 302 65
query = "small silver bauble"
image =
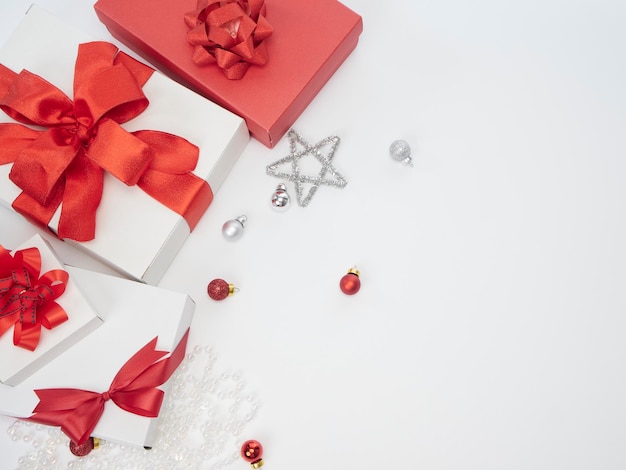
pixel 400 151
pixel 280 198
pixel 233 229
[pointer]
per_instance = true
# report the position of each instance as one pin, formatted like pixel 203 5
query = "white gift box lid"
pixel 18 363
pixel 134 314
pixel 135 234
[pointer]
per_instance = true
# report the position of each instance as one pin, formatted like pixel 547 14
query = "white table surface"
pixel 489 329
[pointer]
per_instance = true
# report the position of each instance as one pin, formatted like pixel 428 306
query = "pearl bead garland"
pixel 201 423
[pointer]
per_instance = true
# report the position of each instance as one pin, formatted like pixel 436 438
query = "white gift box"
pixel 134 314
pixel 17 363
pixel 135 234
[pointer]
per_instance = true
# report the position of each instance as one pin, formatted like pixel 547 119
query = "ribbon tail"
pixel 141 396
pixel 26 335
pixel 83 192
pixel 37 213
pixel 167 366
pixel 160 372
pixel 136 365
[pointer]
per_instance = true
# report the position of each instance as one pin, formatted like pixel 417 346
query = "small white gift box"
pixel 134 315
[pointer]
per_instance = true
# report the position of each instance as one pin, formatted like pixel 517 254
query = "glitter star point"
pixel 300 148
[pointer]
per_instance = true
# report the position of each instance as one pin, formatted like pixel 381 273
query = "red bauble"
pixel 80 450
pixel 219 289
pixel 350 283
pixel 252 451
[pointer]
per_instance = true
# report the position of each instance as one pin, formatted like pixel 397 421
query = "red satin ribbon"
pixel 27 299
pixel 230 33
pixel 66 162
pixel 133 389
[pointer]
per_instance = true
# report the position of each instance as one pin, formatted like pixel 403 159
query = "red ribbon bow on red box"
pixel 133 389
pixel 27 298
pixel 66 162
pixel 230 33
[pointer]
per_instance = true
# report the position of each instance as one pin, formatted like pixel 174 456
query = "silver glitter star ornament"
pixel 300 148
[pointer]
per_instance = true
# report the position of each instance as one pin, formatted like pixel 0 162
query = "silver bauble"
pixel 401 151
pixel 233 229
pixel 280 198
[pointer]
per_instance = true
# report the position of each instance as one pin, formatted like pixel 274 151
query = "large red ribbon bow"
pixel 133 389
pixel 66 162
pixel 230 33
pixel 27 298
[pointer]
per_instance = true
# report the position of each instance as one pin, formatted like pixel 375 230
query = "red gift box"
pixel 310 40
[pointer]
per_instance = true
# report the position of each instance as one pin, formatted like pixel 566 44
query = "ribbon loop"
pixel 139 155
pixel 14 138
pixel 113 93
pixel 32 100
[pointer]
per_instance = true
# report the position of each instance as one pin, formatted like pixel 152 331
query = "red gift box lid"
pixel 310 40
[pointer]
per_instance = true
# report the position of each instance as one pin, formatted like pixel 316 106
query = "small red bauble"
pixel 80 450
pixel 252 451
pixel 219 289
pixel 350 283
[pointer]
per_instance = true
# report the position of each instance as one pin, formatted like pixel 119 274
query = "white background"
pixel 489 330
